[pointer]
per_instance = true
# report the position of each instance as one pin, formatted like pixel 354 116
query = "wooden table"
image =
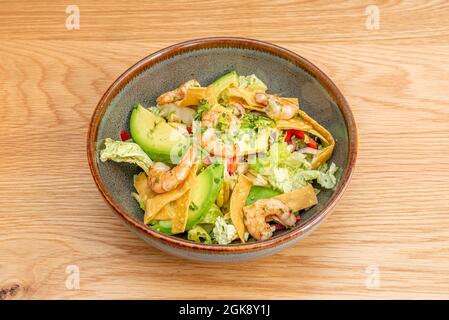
pixel 387 238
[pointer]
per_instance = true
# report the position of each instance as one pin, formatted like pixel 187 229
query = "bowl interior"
pixel 205 65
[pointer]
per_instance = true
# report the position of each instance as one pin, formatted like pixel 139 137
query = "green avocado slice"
pixel 259 192
pixel 160 140
pixel 230 79
pixel 204 193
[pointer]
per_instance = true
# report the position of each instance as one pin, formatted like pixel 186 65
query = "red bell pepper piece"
pixel 288 136
pixel 291 132
pixel 125 135
pixel 300 135
pixel 232 165
pixel 312 144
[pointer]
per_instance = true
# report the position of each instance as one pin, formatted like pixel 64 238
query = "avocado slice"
pixel 155 136
pixel 259 192
pixel 230 79
pixel 204 193
pixel 251 143
pixel 253 83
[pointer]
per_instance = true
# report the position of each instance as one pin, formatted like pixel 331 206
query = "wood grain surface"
pixel 387 238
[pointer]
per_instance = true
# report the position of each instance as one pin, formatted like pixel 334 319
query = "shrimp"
pixel 177 94
pixel 163 179
pixel 211 118
pixel 212 143
pixel 210 139
pixel 275 107
pixel 255 215
pixel 261 98
pixel 237 109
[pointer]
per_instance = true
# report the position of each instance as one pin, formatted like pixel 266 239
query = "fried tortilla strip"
pixel 295 101
pixel 155 204
pixel 234 100
pixel 142 188
pixel 181 212
pixel 299 199
pixel 192 97
pixel 166 213
pixel 237 202
pixel 195 94
pixel 299 124
pixel 310 125
pixel 245 97
pixel 169 211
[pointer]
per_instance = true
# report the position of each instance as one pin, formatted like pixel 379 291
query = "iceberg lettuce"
pixel 253 83
pixel 288 171
pixel 211 216
pixel 127 151
pixel 198 234
pixel 223 232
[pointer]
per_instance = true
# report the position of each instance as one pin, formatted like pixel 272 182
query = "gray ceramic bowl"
pixel 284 72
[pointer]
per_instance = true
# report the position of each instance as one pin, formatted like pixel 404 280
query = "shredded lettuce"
pixel 198 234
pixel 252 83
pixel 211 216
pixel 327 178
pixel 156 110
pixel 223 232
pixel 288 171
pixel 127 151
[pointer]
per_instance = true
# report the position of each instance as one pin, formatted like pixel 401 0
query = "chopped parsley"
pixel 193 206
pixel 202 107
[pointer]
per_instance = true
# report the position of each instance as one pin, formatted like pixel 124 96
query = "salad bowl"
pixel 283 71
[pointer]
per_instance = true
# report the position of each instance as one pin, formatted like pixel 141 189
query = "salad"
pixel 224 163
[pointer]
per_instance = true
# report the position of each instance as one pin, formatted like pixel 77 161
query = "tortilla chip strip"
pixel 295 101
pixel 195 94
pixel 299 199
pixel 237 202
pixel 177 211
pixel 310 125
pixel 192 96
pixel 142 188
pixel 155 204
pixel 245 97
pixel 166 213
pixel 181 212
pixel 245 105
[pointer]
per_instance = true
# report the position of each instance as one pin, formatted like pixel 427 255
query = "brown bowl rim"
pixel 213 42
